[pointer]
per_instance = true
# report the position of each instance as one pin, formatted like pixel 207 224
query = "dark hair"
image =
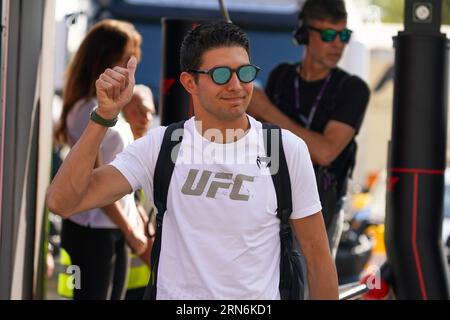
pixel 333 10
pixel 102 48
pixel 210 36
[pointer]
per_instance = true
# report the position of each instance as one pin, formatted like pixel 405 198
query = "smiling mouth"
pixel 233 98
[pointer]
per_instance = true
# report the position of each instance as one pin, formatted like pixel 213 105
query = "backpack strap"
pixel 281 178
pixel 163 173
pixel 282 183
pixel 164 165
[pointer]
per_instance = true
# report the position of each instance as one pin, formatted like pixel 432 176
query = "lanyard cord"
pixel 308 120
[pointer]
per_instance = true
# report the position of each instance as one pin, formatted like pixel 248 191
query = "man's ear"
pixel 188 82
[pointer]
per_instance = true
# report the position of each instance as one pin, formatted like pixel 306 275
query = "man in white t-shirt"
pixel 220 236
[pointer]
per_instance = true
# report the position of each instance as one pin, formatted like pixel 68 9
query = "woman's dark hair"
pixel 103 47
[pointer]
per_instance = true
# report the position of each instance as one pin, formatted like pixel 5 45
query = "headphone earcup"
pixel 301 35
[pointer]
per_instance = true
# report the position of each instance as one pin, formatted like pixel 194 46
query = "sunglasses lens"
pixel 247 73
pixel 221 75
pixel 328 35
pixel 345 35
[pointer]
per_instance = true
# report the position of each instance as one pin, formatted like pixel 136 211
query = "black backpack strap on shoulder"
pixel 281 178
pixel 291 284
pixel 162 175
pixel 165 164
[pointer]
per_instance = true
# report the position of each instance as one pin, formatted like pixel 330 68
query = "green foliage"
pixel 392 10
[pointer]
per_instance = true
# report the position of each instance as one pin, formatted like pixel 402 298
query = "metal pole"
pixel 354 293
pixel 224 11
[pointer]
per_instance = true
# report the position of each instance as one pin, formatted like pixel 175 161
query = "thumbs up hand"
pixel 114 89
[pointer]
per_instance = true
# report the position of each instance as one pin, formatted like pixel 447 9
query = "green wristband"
pixel 102 121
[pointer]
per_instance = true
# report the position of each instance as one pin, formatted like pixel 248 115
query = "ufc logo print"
pixel 221 180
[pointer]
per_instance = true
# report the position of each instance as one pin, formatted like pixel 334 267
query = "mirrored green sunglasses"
pixel 328 35
pixel 222 75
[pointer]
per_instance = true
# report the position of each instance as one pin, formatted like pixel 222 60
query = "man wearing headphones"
pixel 320 103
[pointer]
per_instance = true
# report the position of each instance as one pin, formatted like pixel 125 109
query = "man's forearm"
pixel 318 146
pixel 325 147
pixel 316 142
pixel 72 179
pixel 323 283
pixel 312 238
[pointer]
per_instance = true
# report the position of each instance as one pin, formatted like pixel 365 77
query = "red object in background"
pixel 379 287
pixel 167 84
pixel 392 182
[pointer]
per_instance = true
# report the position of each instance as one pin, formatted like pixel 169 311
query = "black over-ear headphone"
pixel 301 34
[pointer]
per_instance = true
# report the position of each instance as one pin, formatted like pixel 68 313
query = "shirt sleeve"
pixel 305 197
pixel 352 103
pixel 137 162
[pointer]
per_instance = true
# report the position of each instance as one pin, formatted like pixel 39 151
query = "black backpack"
pixel 291 284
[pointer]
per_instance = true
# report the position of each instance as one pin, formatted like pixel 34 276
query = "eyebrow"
pixel 224 65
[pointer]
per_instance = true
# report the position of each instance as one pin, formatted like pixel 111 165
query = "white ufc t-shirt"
pixel 220 237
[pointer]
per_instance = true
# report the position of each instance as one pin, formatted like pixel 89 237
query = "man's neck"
pixel 311 71
pixel 231 130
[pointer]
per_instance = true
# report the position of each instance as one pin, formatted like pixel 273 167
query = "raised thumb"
pixel 131 66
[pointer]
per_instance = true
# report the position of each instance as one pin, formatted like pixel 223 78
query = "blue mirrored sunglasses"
pixel 222 75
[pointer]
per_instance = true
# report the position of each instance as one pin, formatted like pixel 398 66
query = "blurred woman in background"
pixel 96 240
